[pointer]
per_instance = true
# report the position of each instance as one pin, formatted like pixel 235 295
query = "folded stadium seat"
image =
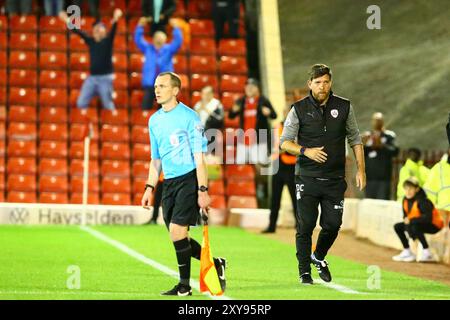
pixel 53 167
pixel 53 149
pixel 202 28
pixel 2 165
pixel 239 187
pixel 140 169
pixel 232 83
pixel 218 202
pixel 21 166
pixel 116 199
pixel 2 115
pixel 216 187
pixel 52 115
pixel 79 131
pixel 120 98
pixel 136 62
pixel 3 59
pixel 4 27
pixel 231 123
pixel 203 46
pixel 2 187
pixel 247 202
pixel 120 81
pixel 2 149
pixel 137 198
pixel 77 78
pixel 115 168
pixel 76 150
pixel 140 134
pixel 53 97
pixel 80 116
pixel 22 114
pixel 115 151
pixel 2 130
pixel 21 182
pixel 116 185
pixel 73 97
pixel 77 44
pixel 185 82
pixel 22 78
pixel 3 77
pixel 76 184
pixel 120 43
pixel 21 197
pixel 53 79
pixel 229 98
pixel 141 117
pixel 199 9
pixel 184 97
pixel 53 131
pixel 52 42
pixel 79 61
pixel 232 47
pixel 203 64
pixel 53 183
pixel 2 95
pixel 240 172
pixel 135 81
pixel 198 81
pixel 141 151
pixel 114 133
pixel 233 65
pixel 23 41
pixel 86 22
pixel 136 99
pixel 114 117
pixel 22 59
pixel 134 10
pixel 120 62
pixel 3 41
pixel 53 197
pixel 20 148
pixel 77 168
pixel 77 198
pixel 138 185
pixel 22 131
pixel 180 64
pixel 23 23
pixel 106 7
pixel 52 60
pixel 51 24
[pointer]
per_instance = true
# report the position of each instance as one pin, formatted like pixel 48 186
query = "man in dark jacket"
pixel 158 13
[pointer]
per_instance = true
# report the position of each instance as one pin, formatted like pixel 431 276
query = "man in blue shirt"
pixel 178 147
pixel 158 57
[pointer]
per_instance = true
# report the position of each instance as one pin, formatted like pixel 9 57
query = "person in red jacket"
pixel 420 217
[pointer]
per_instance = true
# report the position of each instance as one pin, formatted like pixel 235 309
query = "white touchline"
pixel 338 287
pixel 122 247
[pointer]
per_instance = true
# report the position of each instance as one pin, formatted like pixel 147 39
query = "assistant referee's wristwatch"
pixel 149 186
pixel 203 188
pixel 302 150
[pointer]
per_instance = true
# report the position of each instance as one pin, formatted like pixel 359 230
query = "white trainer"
pixel 426 256
pixel 405 256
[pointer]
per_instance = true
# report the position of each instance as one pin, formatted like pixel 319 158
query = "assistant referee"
pixel 178 146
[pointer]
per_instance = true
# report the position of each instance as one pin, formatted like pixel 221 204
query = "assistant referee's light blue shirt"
pixel 174 138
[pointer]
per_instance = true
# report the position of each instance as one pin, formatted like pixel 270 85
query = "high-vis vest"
pixel 437 186
pixel 415 213
pixel 285 157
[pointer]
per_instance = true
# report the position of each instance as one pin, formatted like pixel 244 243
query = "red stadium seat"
pixel 21 166
pixel 107 7
pixel 52 42
pixel 49 183
pixel 241 187
pixel 76 150
pixel 241 172
pixel 53 97
pixel 116 185
pixel 135 81
pixel 218 202
pixel 203 46
pixel 3 60
pixel 79 61
pixel 22 59
pixel 2 116
pixel 79 131
pixel 242 202
pixel 3 41
pixel 136 62
pixel 202 28
pixel 229 99
pixel 21 197
pixel 114 133
pixel 52 60
pixel 216 187
pixel 56 167
pixel 199 9
pixel 77 168
pixel 19 182
pixel 140 169
pixel 116 199
pixel 77 78
pixel 22 78
pixel 185 82
pixel 20 148
pixel 53 149
pixel 76 184
pixel 2 165
pixel 114 117
pixel 203 64
pixel 115 151
pixel 53 79
pixel 4 23
pixel 138 182
pixel 134 9
pixel 141 117
pixel 22 131
pixel 22 114
pixel 53 131
pixel 77 44
pixel 180 64
pixel 199 81
pixel 77 198
pixel 140 134
pixel 86 23
pixel 233 65
pixel 51 24
pixel 115 168
pixel 2 131
pixel 136 99
pixel 141 151
pixel 120 62
pixel 120 81
pixel 232 83
pixel 120 98
pixel 121 25
pixel 120 43
pixel 232 47
pixel 23 41
pixel 53 197
pixel 82 115
pixel 52 115
pixel 23 23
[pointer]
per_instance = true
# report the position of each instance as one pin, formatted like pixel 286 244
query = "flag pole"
pixel 87 142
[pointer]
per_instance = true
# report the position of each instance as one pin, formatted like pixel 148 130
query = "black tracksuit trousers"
pixel 310 193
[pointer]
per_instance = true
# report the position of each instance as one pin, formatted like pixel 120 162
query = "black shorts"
pixel 180 200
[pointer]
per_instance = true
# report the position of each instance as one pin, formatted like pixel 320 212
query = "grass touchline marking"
pixel 122 247
pixel 338 287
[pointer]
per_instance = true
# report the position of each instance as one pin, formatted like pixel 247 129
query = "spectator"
pixel 226 11
pixel 420 217
pixel 209 109
pixel 53 7
pixel 93 7
pixel 158 13
pixel 379 149
pixel 413 167
pixel 18 7
pixel 158 57
pixel 100 81
pixel 254 111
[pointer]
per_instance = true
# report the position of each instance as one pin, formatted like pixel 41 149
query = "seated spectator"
pixel 158 57
pixel 18 7
pixel 413 167
pixel 209 109
pixel 53 7
pixel 100 80
pixel 420 217
pixel 226 11
pixel 158 13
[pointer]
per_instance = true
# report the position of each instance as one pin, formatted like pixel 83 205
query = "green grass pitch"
pixel 35 261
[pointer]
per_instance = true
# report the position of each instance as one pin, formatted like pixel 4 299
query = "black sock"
pixel 184 252
pixel 196 249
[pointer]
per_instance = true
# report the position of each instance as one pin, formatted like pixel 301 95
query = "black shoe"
pixel 306 278
pixel 221 265
pixel 180 290
pixel 268 230
pixel 322 268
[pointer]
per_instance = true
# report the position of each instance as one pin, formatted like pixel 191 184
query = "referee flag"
pixel 209 280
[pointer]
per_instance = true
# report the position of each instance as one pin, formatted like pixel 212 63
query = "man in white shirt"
pixel 209 109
